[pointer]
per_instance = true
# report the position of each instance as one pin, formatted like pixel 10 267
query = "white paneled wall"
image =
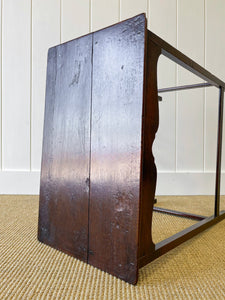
pixel 104 13
pixel 185 145
pixel 214 61
pixel 45 33
pixel 1 86
pixel 190 103
pixel 75 18
pixel 16 83
pixel 164 23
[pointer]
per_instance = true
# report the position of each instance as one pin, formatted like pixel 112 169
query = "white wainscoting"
pixel 185 145
pixel 20 182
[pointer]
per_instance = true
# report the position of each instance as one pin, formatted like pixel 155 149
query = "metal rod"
pixel 184 87
pixel 179 213
pixel 219 153
pixel 179 238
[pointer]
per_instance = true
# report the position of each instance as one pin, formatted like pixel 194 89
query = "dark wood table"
pixel 98 175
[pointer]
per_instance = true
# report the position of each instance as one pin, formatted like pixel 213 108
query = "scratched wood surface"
pixel 98 170
pixel 117 98
pixel 64 191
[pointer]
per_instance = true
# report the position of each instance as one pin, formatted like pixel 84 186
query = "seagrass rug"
pixel 32 270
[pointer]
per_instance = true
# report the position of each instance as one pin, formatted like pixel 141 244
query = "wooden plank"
pixel 103 13
pixel 45 34
pixel 64 191
pixel 117 96
pixel 190 103
pixel 74 19
pixel 130 8
pixel 162 21
pixel 16 84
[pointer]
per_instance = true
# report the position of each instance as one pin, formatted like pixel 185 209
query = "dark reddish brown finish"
pixel 64 191
pixel 148 170
pixel 117 98
pixel 95 128
pixel 98 174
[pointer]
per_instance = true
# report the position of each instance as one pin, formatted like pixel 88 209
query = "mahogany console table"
pixel 98 175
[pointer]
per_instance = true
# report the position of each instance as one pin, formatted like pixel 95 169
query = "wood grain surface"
pixel 98 170
pixel 64 191
pixel 117 103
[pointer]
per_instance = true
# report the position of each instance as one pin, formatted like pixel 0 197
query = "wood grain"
pixel 117 102
pixel 98 172
pixel 63 219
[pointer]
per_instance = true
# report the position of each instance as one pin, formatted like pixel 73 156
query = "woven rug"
pixel 32 270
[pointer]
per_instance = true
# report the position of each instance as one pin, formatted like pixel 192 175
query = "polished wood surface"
pixel 98 174
pixel 149 128
pixel 92 150
pixel 117 104
pixel 64 190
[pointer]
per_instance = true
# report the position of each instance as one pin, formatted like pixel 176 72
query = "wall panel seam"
pixel 60 21
pixel 204 102
pixel 31 78
pixel 1 86
pixel 90 15
pixel 176 95
pixel 119 10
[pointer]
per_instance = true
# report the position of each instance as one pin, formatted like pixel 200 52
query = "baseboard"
pixel 168 183
pixel 184 183
pixel 19 182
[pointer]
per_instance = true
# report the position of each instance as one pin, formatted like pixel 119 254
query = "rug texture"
pixel 32 270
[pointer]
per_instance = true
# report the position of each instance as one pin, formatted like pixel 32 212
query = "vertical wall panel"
pixel 211 123
pixel 16 84
pixel 130 8
pixel 104 13
pixel 45 33
pixel 0 84
pixel 215 43
pixel 190 116
pixel 162 21
pixel 215 63
pixel 74 19
pixel 188 125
